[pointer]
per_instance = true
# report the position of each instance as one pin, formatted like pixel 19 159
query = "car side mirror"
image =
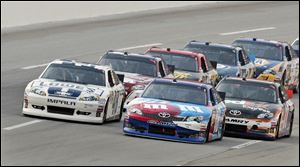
pixel 171 68
pixel 214 64
pixel 121 77
pixel 290 93
pixel 222 95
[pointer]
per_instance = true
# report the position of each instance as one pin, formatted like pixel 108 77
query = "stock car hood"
pixel 226 70
pixel 195 76
pixel 67 89
pixel 135 78
pixel 177 109
pixel 264 64
pixel 132 79
pixel 250 109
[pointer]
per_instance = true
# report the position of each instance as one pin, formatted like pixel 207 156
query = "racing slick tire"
pixel 105 111
pixel 223 129
pixel 277 128
pixel 296 89
pixel 283 78
pixel 207 130
pixel 121 111
pixel 291 126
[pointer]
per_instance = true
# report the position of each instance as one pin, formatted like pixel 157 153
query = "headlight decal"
pixel 135 111
pixel 265 115
pixel 197 119
pixel 38 91
pixel 89 98
pixel 138 87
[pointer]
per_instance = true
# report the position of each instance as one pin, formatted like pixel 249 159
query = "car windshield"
pixel 75 74
pixel 131 65
pixel 261 49
pixel 181 62
pixel 221 55
pixel 176 92
pixel 248 91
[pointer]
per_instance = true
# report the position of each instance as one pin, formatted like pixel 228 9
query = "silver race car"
pixel 76 91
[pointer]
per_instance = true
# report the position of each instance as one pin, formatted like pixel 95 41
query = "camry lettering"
pixel 237 121
pixel 70 103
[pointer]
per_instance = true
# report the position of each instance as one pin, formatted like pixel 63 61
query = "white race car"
pixel 76 91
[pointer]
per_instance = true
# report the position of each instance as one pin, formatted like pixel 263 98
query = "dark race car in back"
pixel 256 108
pixel 138 69
pixel 187 65
pixel 231 61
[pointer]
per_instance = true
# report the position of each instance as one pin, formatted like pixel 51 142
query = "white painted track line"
pixel 22 125
pixel 246 144
pixel 34 66
pixel 246 31
pixel 121 49
pixel 140 46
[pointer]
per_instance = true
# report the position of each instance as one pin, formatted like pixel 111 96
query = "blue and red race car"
pixel 177 110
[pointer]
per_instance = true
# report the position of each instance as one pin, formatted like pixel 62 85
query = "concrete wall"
pixel 19 13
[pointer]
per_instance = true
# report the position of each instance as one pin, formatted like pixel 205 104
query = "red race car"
pixel 188 65
pixel 138 69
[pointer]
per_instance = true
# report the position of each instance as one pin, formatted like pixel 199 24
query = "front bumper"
pixel 174 133
pixel 80 111
pixel 253 129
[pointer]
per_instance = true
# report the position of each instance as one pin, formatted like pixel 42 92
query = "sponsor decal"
pixel 182 75
pixel 221 66
pixel 64 102
pixel 190 108
pixel 155 106
pixel 240 121
pixel 58 84
pixel 164 115
pixel 235 102
pixel 63 92
pixel 260 62
pixel 235 112
pixel 161 123
pixel 90 90
pixel 257 106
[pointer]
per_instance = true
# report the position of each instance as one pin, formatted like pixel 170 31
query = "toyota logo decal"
pixel 235 112
pixel 164 115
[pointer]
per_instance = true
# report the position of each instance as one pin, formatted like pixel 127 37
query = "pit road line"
pixel 22 125
pixel 246 31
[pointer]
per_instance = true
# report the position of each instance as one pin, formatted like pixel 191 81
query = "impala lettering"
pixel 70 103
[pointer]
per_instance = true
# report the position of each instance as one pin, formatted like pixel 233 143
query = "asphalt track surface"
pixel 56 142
